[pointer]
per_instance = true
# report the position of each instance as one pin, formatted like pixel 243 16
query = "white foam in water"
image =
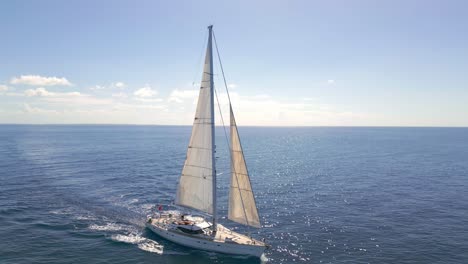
pixel 142 243
pixel 107 227
pixel 151 246
pixel 61 212
pixel 263 259
pixel 85 217
pixel 131 238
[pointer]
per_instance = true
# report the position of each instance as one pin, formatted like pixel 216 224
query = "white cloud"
pixel 35 110
pixel 145 92
pixel 175 100
pixel 38 92
pixel 149 100
pixel 14 94
pixel 97 87
pixel 123 106
pixel 40 80
pixel 69 99
pixel 143 106
pixel 119 95
pixel 330 81
pixel 264 110
pixel 82 102
pixel 42 92
pixel 3 88
pixel 119 85
pixel 232 86
pixel 179 96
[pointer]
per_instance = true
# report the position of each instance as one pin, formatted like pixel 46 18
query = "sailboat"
pixel 197 185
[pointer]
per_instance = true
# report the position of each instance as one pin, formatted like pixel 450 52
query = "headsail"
pixel 242 207
pixel 195 187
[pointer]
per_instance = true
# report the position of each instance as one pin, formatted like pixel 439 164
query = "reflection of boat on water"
pixel 197 185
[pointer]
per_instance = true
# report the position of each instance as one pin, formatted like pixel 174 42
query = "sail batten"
pixel 242 206
pixel 195 188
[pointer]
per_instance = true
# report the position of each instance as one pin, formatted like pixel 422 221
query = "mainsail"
pixel 196 183
pixel 242 207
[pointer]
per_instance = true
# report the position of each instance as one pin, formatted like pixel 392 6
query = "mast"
pixel 213 150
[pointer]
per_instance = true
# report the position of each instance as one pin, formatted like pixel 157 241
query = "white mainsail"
pixel 196 183
pixel 242 207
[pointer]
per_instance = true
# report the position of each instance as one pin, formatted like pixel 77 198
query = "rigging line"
pixel 224 128
pixel 222 120
pixel 221 65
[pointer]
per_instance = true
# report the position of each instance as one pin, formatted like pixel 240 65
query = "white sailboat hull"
pixel 206 244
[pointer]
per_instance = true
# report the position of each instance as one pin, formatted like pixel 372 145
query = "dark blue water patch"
pixel 80 194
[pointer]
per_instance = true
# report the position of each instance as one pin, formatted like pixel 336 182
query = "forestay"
pixel 195 187
pixel 242 207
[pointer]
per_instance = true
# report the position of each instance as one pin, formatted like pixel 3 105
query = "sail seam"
pixel 242 189
pixel 198 166
pixel 199 148
pixel 200 177
pixel 241 173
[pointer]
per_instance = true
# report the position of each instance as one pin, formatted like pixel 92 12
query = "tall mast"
pixel 210 50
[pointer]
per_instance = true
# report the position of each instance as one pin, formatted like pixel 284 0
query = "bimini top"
pixel 191 227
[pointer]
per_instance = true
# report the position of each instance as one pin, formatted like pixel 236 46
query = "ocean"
pixel 81 193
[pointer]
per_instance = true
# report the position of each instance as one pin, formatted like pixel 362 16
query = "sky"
pixel 287 63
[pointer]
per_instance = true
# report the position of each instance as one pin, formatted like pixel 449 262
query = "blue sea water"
pixel 80 194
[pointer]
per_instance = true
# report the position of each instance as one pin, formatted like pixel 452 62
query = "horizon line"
pixel 275 126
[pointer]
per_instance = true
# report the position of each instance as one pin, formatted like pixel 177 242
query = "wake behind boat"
pixel 197 184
